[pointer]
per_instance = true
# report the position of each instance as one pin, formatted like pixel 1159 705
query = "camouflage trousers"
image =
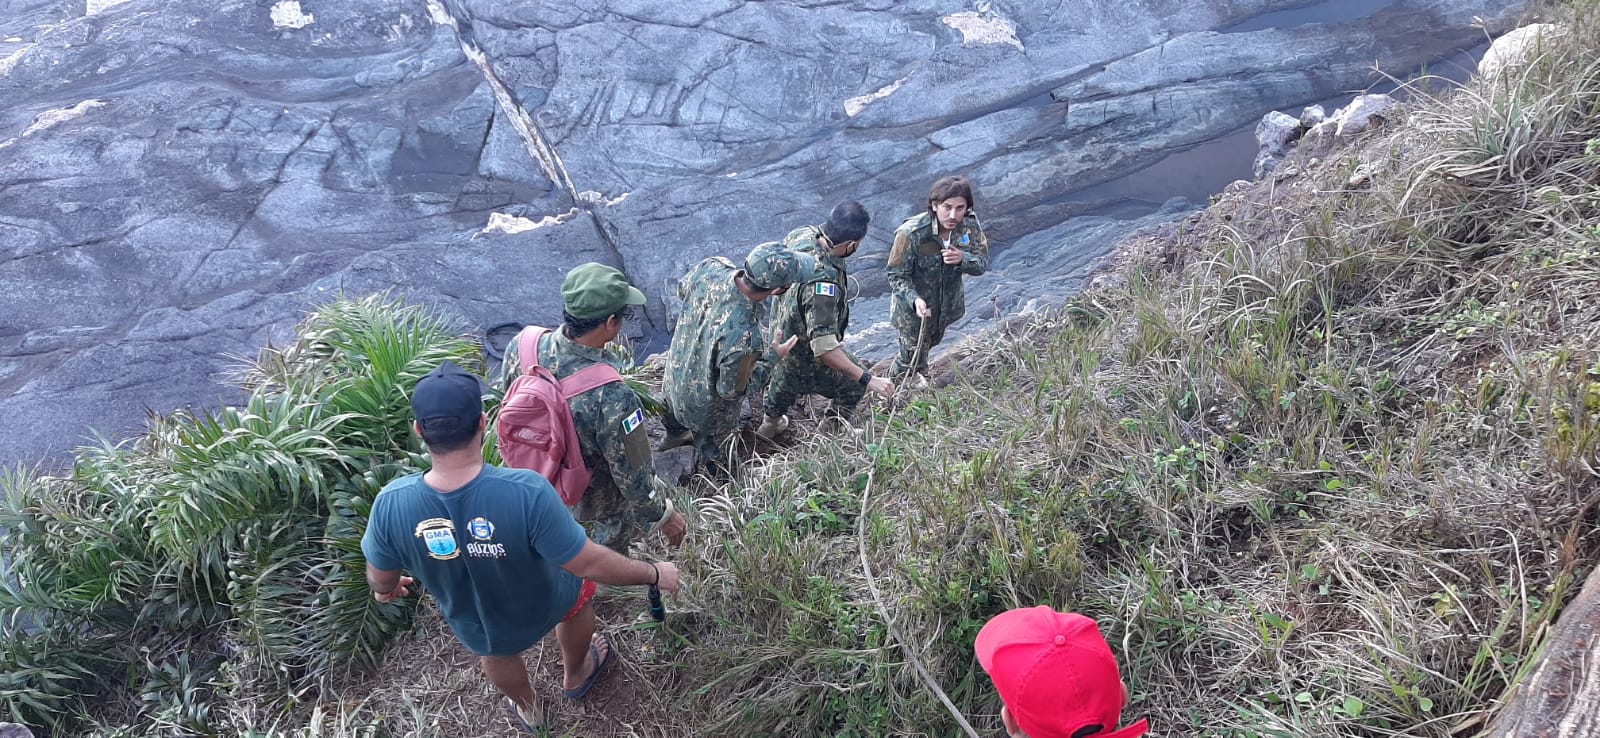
pixel 792 379
pixel 915 342
pixel 715 441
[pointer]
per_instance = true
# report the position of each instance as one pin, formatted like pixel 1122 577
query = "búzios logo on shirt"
pixel 440 536
pixel 482 530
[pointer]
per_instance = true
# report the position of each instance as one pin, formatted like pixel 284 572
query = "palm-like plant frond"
pixel 273 458
pixel 70 553
pixel 244 523
pixel 349 625
pixel 44 673
pixel 362 357
pixel 272 585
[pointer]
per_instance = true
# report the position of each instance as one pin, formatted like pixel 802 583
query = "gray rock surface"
pixel 1033 273
pixel 1312 115
pixel 1274 134
pixel 1362 114
pixel 1515 49
pixel 182 180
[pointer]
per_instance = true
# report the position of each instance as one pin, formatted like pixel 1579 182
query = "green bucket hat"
pixel 770 266
pixel 597 291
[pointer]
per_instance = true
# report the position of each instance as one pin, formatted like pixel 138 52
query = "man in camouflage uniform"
pixel 719 349
pixel 818 312
pixel 932 251
pixel 621 503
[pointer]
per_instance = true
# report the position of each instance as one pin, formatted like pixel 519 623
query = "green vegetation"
pixel 1332 473
pixel 216 562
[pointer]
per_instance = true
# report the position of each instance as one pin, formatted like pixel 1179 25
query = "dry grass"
pixel 1324 466
pixel 430 686
pixel 1333 474
pixel 1327 469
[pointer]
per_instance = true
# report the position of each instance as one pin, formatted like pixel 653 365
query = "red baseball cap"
pixel 1055 673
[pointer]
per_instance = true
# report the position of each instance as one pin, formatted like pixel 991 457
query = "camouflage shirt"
pixel 816 310
pixel 917 268
pixel 611 434
pixel 719 349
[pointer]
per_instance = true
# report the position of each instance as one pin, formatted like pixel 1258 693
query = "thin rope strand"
pixel 872 582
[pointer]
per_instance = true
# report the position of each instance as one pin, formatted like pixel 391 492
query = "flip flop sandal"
pixel 599 668
pixel 542 728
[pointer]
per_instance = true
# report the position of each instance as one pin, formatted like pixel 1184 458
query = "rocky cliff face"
pixel 180 180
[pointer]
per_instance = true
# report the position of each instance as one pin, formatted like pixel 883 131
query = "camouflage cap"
pixel 596 291
pixel 770 266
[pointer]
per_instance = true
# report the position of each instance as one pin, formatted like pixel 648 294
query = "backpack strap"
pixel 588 378
pixel 578 382
pixel 528 347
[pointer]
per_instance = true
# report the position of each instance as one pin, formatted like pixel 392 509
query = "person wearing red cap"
pixel 1055 675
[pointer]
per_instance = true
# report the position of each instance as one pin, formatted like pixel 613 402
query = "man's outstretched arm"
pixel 600 564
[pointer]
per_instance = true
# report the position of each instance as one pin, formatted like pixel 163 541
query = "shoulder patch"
pixel 630 423
pixel 827 288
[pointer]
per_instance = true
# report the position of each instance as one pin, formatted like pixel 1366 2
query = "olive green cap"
pixel 597 291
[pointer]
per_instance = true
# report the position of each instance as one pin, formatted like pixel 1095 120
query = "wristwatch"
pixel 866 378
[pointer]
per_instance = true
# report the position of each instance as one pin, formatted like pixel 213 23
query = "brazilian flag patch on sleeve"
pixel 827 288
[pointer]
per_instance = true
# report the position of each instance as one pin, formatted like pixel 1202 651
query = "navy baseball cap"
pixel 447 403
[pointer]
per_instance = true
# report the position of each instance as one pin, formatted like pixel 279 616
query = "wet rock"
pixel 14 730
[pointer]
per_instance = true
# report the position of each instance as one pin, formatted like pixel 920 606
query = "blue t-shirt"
pixel 490 553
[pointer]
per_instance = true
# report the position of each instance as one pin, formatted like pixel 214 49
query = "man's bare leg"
pixel 509 675
pixel 574 634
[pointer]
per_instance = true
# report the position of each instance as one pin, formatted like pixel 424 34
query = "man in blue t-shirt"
pixel 497 549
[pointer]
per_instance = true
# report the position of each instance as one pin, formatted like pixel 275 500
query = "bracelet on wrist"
pixel 866 378
pixel 657 570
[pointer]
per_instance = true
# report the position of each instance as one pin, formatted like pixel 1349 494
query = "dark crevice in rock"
pixel 539 148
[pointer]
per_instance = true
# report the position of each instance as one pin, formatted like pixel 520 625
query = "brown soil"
pixel 430 683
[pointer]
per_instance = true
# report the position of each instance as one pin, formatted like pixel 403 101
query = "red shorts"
pixel 585 594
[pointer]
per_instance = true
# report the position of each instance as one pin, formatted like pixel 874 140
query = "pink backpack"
pixel 536 430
